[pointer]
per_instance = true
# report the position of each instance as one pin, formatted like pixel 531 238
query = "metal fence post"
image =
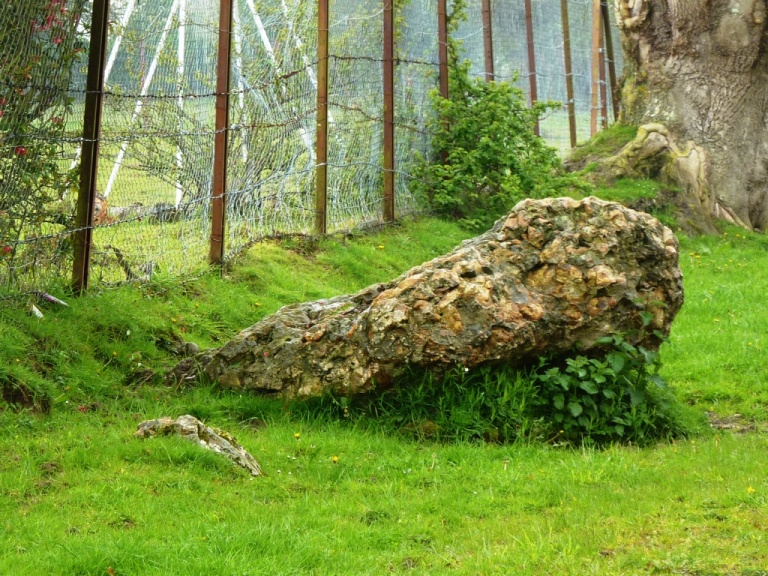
pixel 321 151
pixel 615 96
pixel 442 45
pixel 389 111
pixel 568 70
pixel 596 33
pixel 531 59
pixel 488 40
pixel 603 83
pixel 221 142
pixel 94 99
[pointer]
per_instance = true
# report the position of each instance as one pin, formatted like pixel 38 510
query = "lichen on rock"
pixel 552 275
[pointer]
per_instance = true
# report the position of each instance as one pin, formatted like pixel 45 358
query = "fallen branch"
pixel 192 429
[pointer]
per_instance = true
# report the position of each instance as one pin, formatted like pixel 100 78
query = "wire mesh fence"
pixel 152 203
pixel 156 144
pixel 40 93
pixel 416 75
pixel 272 149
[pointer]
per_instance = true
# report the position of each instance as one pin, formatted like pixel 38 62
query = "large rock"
pixel 552 275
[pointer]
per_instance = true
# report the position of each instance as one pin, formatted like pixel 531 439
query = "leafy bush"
pixel 619 396
pixel 41 47
pixel 488 157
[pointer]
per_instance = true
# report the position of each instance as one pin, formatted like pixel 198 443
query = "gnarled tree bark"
pixel 696 78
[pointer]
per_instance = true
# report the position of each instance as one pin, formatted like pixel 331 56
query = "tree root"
pixel 192 429
pixel 654 153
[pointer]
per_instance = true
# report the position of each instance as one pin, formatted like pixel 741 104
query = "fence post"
pixel 603 82
pixel 321 169
pixel 488 40
pixel 442 45
pixel 221 141
pixel 94 99
pixel 596 34
pixel 568 70
pixel 531 59
pixel 615 96
pixel 389 111
pixel 442 56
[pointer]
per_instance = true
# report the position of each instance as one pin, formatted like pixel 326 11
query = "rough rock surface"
pixel 553 274
pixel 190 428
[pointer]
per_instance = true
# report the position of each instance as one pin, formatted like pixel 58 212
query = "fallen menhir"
pixel 552 275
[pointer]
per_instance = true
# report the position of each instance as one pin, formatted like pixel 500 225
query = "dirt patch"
pixel 20 396
pixel 735 423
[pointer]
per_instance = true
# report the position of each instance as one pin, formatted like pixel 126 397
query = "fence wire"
pixel 156 154
pixel 43 45
pixel 273 113
pixel 356 103
pixel 153 208
pixel 416 75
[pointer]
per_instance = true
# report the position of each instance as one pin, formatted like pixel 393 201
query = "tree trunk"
pixel 698 68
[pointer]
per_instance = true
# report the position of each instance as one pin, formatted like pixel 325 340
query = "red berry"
pixel 6 249
pixel 20 150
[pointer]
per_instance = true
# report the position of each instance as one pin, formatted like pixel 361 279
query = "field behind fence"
pixel 162 135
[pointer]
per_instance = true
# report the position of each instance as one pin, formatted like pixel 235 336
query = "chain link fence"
pixel 152 206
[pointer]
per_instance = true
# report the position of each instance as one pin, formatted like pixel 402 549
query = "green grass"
pixel 605 143
pixel 80 495
pixel 625 190
pixel 717 357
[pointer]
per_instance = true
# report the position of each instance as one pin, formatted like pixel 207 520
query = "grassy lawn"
pixel 80 495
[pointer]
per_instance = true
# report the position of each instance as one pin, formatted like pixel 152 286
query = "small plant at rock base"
pixel 619 396
pixel 488 403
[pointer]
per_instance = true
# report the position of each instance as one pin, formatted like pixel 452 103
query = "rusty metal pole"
pixel 221 141
pixel 596 33
pixel 488 40
pixel 442 45
pixel 531 59
pixel 568 71
pixel 603 82
pixel 321 168
pixel 389 111
pixel 615 95
pixel 442 56
pixel 94 99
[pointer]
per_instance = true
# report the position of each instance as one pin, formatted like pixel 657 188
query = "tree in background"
pixel 697 83
pixel 487 157
pixel 41 45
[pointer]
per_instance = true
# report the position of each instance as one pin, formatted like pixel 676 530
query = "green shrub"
pixel 487 157
pixel 42 47
pixel 616 397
